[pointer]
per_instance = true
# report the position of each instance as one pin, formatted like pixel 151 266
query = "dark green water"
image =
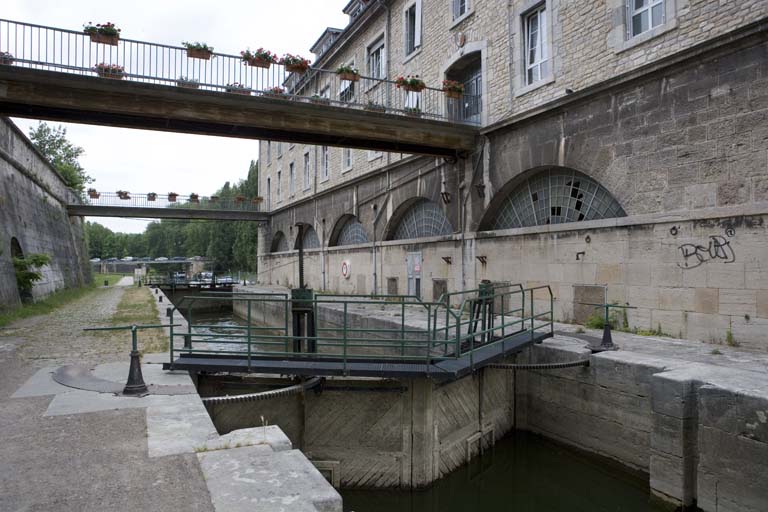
pixel 523 473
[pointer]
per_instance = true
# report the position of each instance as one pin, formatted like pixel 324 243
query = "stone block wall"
pixel 33 198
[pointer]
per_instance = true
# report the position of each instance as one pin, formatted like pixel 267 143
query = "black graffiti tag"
pixel 718 249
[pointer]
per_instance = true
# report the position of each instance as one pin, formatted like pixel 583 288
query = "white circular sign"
pixel 346 269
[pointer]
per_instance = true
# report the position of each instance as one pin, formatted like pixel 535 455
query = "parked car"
pixel 95 260
pixel 161 258
pixel 178 258
pixel 128 258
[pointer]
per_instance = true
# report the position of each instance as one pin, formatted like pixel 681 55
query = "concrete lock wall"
pixel 698 430
pixel 33 199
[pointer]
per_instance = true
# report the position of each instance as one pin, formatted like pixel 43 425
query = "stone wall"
pixel 33 198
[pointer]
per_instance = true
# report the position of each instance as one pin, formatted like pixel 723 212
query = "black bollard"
pixel 106 282
pixel 135 384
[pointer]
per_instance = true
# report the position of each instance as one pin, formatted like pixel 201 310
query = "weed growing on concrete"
pixel 716 352
pixel 729 340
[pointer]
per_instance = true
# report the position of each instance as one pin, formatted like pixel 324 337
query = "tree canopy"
pixel 52 142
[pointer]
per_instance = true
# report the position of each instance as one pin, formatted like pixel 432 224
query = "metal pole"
pixel 135 384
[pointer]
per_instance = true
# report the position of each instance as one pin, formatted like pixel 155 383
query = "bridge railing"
pixel 172 200
pixel 70 51
pixel 362 328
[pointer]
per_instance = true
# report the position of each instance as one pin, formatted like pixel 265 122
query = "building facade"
pixel 622 157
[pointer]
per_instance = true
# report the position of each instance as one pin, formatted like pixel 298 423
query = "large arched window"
pixel 468 72
pixel 553 196
pixel 423 219
pixel 279 242
pixel 309 238
pixel 349 232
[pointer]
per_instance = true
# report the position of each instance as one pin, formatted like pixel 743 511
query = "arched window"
pixel 351 232
pixel 309 238
pixel 16 251
pixel 468 72
pixel 553 196
pixel 423 219
pixel 279 242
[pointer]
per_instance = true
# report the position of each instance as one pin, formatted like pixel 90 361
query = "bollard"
pixel 135 384
pixel 106 282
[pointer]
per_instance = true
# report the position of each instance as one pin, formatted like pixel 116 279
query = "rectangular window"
pixel 413 100
pixel 291 179
pixel 307 178
pixel 269 194
pixel 645 15
pixel 376 59
pixel 347 88
pixel 412 18
pixel 279 149
pixel 269 151
pixel 373 155
pixel 324 160
pixel 279 186
pixel 460 8
pixel 536 63
pixel 347 157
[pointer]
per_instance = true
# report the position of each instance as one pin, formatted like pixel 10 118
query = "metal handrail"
pixel 40 47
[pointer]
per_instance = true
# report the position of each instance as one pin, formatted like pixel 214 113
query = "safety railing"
pixel 124 198
pixel 364 328
pixel 47 48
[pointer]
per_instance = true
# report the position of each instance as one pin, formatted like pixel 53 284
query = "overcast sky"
pixel 148 161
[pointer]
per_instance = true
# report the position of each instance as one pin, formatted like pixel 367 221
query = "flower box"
pixel 112 71
pixel 296 68
pixel 375 107
pixel 151 196
pixel 414 88
pixel 188 84
pixel 453 89
pixel 104 38
pixel 172 197
pixel 123 194
pixel 257 200
pixel 294 63
pixel 259 63
pixel 93 194
pixel 6 58
pixel 199 53
pixel 238 89
pixel 349 77
pixel 213 199
pixel 194 198
pixel 456 95
pixel 239 199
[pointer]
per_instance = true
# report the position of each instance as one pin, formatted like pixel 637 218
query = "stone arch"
pixel 549 195
pixel 279 243
pixel 16 251
pixel 308 236
pixel 470 57
pixel 418 218
pixel 348 231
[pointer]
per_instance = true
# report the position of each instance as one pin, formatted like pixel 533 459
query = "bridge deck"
pixel 447 369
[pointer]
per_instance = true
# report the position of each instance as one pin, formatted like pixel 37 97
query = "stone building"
pixel 34 220
pixel 622 156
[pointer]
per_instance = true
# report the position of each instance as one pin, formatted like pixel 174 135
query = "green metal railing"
pixel 403 328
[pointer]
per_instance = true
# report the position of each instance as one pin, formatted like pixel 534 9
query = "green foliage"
pixel 729 339
pixel 63 155
pixel 28 271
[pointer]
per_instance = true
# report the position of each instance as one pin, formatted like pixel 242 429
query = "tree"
pixel 61 153
pixel 28 273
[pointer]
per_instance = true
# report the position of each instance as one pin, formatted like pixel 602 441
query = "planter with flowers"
pixel 348 73
pixel 187 83
pixel 239 199
pixel 113 71
pixel 104 33
pixel 453 89
pixel 257 200
pixel 123 194
pixel 198 50
pixel 275 92
pixel 294 63
pixel 6 58
pixel 260 58
pixel 213 199
pixel 93 193
pixel 172 197
pixel 194 198
pixel 151 196
pixel 411 83
pixel 238 88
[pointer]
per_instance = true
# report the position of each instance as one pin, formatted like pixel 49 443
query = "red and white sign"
pixel 346 269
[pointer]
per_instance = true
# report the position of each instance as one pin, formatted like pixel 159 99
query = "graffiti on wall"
pixel 718 248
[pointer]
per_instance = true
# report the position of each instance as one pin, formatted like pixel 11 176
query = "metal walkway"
pixel 401 336
pixel 450 369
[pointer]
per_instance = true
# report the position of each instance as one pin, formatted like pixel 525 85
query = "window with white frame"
pixel 291 179
pixel 460 8
pixel 307 176
pixel 324 157
pixel 412 19
pixel 347 87
pixel 644 15
pixel 376 59
pixel 279 149
pixel 536 59
pixel 347 158
pixel 279 186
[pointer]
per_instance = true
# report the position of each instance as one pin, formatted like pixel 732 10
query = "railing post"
pixel 170 342
pixel 402 327
pixel 344 333
pixel 249 333
pixel 533 315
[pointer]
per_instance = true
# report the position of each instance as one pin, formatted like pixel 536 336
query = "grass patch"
pixel 137 307
pixel 46 306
